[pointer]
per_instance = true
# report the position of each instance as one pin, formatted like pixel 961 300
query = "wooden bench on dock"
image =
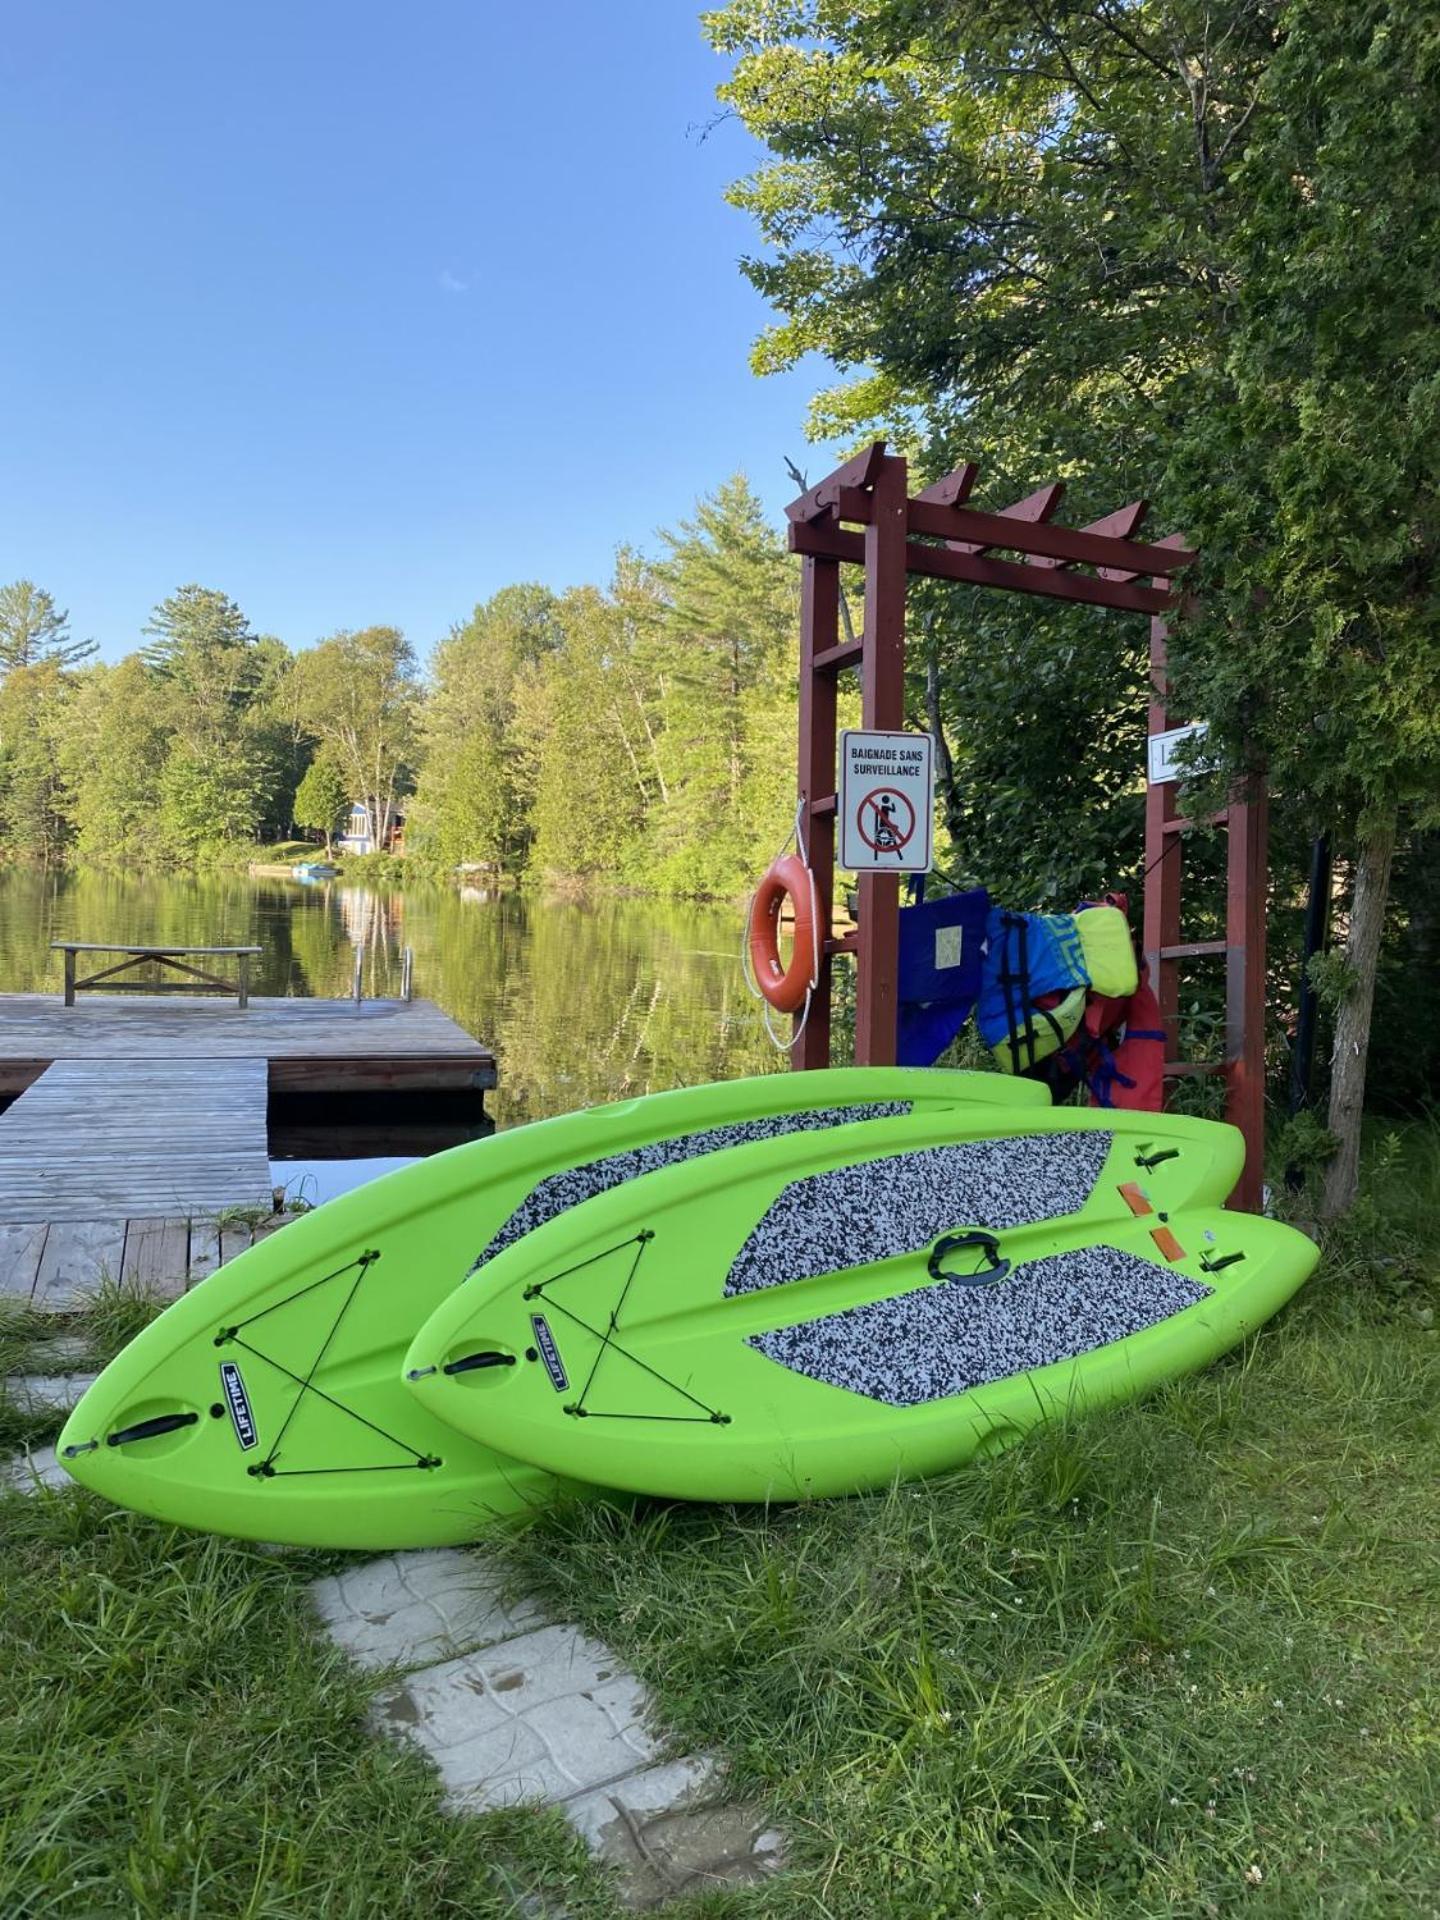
pixel 176 958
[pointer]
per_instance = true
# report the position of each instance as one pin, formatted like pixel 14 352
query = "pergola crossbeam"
pixel 823 540
pixel 1033 510
pixel 1119 525
pixel 859 472
pixel 1169 556
pixel 953 489
pixel 974 532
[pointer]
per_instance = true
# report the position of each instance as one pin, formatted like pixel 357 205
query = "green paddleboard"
pixel 805 1317
pixel 268 1402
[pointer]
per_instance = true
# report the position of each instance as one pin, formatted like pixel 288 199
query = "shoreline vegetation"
pixel 637 736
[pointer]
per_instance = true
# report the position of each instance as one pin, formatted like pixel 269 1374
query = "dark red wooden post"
pixel 1245 822
pixel 819 634
pixel 1246 877
pixel 882 708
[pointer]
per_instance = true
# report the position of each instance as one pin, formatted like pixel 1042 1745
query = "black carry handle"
pixel 953 1242
pixel 151 1429
pixel 474 1361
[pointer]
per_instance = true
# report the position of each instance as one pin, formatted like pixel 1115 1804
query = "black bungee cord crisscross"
pixel 230 1336
pixel 707 1416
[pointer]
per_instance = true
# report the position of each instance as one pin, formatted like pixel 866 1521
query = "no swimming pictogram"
pixel 886 820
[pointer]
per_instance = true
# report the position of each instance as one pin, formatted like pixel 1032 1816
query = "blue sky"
pixel 360 311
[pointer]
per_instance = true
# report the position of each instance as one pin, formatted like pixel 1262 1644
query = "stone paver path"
pixel 510 1706
pixel 27 1471
pixel 49 1392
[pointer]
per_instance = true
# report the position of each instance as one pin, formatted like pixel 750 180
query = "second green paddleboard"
pixel 815 1317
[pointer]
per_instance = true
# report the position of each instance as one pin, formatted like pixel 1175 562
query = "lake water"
pixel 581 1004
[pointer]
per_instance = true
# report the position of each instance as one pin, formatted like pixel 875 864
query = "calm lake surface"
pixel 581 1004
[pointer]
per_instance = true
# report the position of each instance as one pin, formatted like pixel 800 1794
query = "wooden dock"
pixel 140 1126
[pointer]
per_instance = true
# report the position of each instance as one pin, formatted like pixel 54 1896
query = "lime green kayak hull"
pixel 268 1402
pixel 801 1318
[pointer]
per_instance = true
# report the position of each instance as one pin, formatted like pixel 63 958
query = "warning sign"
pixel 886 802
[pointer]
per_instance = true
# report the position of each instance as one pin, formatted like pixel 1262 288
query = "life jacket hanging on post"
pixel 1032 996
pixel 941 955
pixel 1137 1083
pixel 1118 1053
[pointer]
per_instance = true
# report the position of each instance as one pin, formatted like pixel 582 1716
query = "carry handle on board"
pixel 953 1243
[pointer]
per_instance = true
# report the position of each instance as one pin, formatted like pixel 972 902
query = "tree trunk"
pixel 944 765
pixel 1352 1020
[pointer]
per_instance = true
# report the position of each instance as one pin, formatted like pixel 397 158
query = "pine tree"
pixel 33 628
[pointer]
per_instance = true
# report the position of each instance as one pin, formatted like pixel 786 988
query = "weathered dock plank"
pixel 311 1045
pixel 138 1124
pixel 78 1255
pixel 157 1256
pixel 20 1251
pixel 96 1142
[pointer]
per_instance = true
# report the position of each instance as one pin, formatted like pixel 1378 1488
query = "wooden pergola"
pixel 864 515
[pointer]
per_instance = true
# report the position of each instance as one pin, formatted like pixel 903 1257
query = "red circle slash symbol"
pixel 886 820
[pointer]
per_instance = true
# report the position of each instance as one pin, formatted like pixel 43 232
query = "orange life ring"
pixel 784 987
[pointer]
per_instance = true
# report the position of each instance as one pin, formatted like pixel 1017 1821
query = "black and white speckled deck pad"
pixel 876 1209
pixel 943 1340
pixel 558 1192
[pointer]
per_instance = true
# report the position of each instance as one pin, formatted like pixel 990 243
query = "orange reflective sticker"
pixel 1167 1243
pixel 1131 1194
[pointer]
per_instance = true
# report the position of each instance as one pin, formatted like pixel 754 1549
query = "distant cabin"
pixel 356 836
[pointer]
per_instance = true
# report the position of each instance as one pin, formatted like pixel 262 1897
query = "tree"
pixel 589 804
pixel 112 751
pixel 32 811
pixel 356 694
pixel 32 629
pixel 721 640
pixel 277 738
pixel 1320 468
pixel 204 648
pixel 322 798
pixel 208 668
pixel 475 795
pixel 1192 249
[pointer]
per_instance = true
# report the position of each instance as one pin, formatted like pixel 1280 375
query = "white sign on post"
pixel 1162 764
pixel 887 802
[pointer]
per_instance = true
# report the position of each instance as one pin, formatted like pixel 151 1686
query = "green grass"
pixel 1178 1660
pixel 176 1739
pixel 114 1314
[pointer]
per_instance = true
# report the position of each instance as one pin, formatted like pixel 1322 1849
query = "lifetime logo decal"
pixel 549 1352
pixel 238 1401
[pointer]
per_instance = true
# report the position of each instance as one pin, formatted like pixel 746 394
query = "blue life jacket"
pixel 942 947
pixel 1029 955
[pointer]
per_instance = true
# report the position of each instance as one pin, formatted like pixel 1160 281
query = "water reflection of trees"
pixel 581 1003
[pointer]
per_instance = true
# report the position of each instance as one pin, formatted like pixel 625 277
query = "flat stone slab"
pixel 525 1708
pixel 49 1392
pixel 665 1839
pixel 412 1609
pixel 27 1471
pixel 61 1353
pixel 547 1715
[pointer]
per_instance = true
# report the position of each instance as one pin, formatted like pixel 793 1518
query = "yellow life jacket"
pixel 1109 951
